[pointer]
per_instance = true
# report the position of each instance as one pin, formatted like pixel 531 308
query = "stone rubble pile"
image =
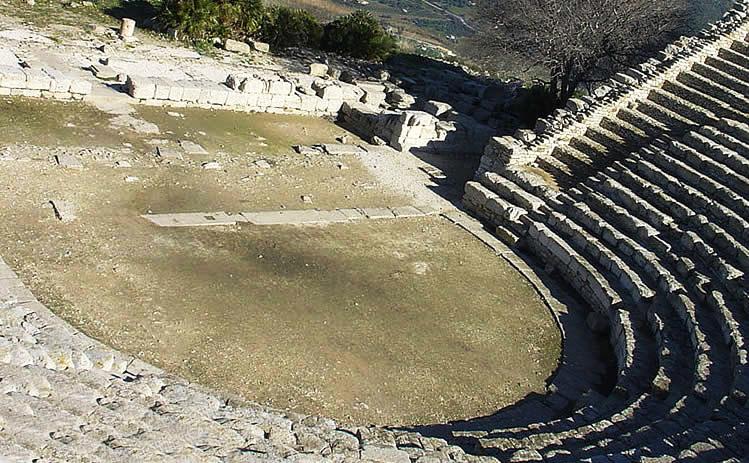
pixel 637 199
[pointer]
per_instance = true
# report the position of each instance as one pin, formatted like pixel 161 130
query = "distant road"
pixel 451 15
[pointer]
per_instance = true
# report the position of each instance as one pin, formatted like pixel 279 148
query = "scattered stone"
pixel 308 150
pixel 211 165
pixel 318 69
pixel 261 47
pixel 168 153
pixel 190 147
pixel 123 164
pixel 131 179
pixel 64 211
pixel 437 108
pixel 347 76
pixel 236 46
pixel 307 199
pixel 103 72
pixel 68 161
pixel 341 149
pixel 262 164
pixel 127 28
pixel 398 98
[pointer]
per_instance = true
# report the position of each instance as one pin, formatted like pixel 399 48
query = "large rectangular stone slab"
pixel 300 217
pixel 378 213
pixel 406 211
pixel 193 219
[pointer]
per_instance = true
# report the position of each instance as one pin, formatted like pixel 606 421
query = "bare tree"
pixel 578 40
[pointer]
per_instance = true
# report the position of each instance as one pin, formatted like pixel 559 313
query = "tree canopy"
pixel 579 40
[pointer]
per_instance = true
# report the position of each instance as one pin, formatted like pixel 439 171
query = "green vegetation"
pixel 284 27
pixel 358 34
pixel 204 19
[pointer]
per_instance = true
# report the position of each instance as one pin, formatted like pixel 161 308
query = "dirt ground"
pixel 393 322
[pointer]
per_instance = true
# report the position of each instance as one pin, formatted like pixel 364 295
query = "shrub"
pixel 359 35
pixel 531 103
pixel 204 19
pixel 284 27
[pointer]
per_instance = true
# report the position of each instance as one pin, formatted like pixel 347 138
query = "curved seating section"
pixel 640 203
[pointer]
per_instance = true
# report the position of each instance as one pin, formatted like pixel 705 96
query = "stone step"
pixel 735 129
pixel 722 138
pixel 561 172
pixel 717 152
pixel 614 144
pixel 702 100
pixel 599 252
pixel 727 95
pixel 736 58
pixel 728 67
pixel 740 47
pixel 664 115
pixel 647 124
pixel 632 134
pixel 682 194
pixel 636 205
pixel 721 78
pixel 591 148
pixel 577 271
pixel 717 181
pixel 578 160
pixel 510 191
pixel 675 103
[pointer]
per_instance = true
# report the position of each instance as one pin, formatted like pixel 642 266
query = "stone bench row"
pixel 687 193
pixel 727 245
pixel 611 263
pixel 718 304
pixel 721 148
pixel 734 183
pixel 704 365
pixel 491 207
pixel 718 92
pixel 702 99
pixel 577 271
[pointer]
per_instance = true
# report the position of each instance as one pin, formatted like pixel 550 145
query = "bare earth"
pixel 384 322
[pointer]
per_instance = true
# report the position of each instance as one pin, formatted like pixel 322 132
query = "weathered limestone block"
pixel 127 28
pixel 327 90
pixel 437 108
pixel 318 69
pixel 400 99
pixel 37 79
pixel 12 77
pixel 141 88
pixel 508 151
pixel 253 84
pixel 280 87
pixel 261 47
pixel 236 46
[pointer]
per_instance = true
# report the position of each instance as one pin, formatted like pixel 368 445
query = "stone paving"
pixel 288 217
